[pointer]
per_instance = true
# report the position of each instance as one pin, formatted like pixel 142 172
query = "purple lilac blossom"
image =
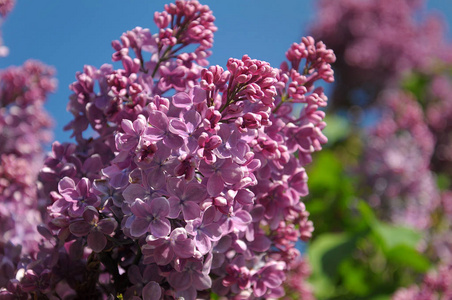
pixel 397 164
pixel 24 130
pixel 376 42
pixel 192 168
pixel 436 284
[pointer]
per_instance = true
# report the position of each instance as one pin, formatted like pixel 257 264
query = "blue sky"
pixel 71 34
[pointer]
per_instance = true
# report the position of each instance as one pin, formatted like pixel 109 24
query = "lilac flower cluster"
pixel 191 183
pixel 397 163
pixel 296 285
pixel 376 42
pixel 24 129
pixel 438 113
pixel 435 285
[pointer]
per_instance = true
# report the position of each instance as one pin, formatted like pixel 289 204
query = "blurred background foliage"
pixel 382 218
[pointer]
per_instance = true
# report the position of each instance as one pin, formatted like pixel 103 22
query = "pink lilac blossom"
pixel 296 284
pixel 24 129
pixel 397 163
pixel 436 285
pixel 199 174
pixel 376 42
pixel 438 112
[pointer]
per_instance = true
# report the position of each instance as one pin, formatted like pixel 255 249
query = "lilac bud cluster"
pixel 24 129
pixel 184 194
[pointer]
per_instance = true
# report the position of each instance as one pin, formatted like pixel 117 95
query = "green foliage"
pixel 338 128
pixel 354 255
pixel 443 181
pixel 417 84
pixel 332 192
pixel 392 236
pixel 325 255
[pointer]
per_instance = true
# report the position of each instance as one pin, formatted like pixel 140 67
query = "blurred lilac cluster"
pixel 384 47
pixel 24 129
pixel 397 163
pixel 376 42
pixel 183 181
pixel 438 113
pixel 435 285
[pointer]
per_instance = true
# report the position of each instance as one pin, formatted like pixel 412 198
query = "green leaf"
pixel 325 254
pixel 443 181
pixel 392 236
pixel 355 278
pixel 338 128
pixel 367 213
pixel 408 257
pixel 417 84
pixel 381 297
pixel 326 173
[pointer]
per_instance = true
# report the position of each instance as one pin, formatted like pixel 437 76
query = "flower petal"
pixel 190 210
pixel 97 241
pixel 139 227
pixel 160 227
pixel 152 291
pixel 215 185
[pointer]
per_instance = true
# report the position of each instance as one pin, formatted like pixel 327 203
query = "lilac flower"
pixel 236 219
pixel 165 249
pixel 150 216
pixel 188 128
pixel 93 228
pixel 119 177
pixel 233 146
pixel 160 130
pixel 190 276
pixel 132 135
pixel 269 277
pixel 33 282
pixel 185 197
pixel 206 145
pixel 221 172
pixel 144 282
pixel 205 230
pixel 106 193
pixel 75 197
pixel 139 191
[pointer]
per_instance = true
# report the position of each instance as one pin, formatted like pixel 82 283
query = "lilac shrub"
pixel 191 182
